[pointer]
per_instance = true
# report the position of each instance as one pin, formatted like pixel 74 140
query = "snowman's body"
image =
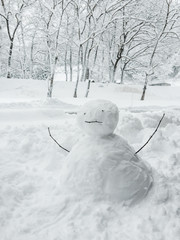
pixel 103 164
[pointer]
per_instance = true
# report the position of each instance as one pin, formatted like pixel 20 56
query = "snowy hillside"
pixel 31 204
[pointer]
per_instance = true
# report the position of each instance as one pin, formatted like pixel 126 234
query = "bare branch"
pixel 3 5
pixel 3 16
pixel 152 134
pixel 56 141
pixel 17 25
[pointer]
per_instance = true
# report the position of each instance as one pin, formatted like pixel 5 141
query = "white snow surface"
pixel 102 164
pixel 32 203
pixel 98 117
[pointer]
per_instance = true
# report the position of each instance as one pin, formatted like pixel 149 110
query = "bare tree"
pixel 126 43
pixel 99 39
pixel 11 18
pixel 166 29
pixel 52 31
pixel 96 21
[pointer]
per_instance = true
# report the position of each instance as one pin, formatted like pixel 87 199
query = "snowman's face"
pixel 98 117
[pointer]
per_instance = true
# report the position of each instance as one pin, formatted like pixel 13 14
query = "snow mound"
pixel 32 205
pixel 127 89
pixel 56 103
pixel 103 165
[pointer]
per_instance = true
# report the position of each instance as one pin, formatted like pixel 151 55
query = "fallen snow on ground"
pixel 32 206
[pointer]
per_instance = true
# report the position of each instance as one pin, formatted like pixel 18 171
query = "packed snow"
pixel 102 164
pixel 32 203
pixel 98 117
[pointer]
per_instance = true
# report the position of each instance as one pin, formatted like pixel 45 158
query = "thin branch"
pixel 152 134
pixel 17 25
pixel 3 5
pixel 56 141
pixel 3 16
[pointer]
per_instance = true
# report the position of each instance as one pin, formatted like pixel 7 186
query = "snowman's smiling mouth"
pixel 93 121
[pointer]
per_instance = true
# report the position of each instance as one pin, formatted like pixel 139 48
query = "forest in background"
pixel 100 40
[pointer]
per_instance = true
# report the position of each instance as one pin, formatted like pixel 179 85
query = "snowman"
pixel 102 164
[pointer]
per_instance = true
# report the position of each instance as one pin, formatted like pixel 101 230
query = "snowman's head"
pixel 98 117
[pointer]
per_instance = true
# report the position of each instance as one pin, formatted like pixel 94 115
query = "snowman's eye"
pixel 84 113
pixel 102 110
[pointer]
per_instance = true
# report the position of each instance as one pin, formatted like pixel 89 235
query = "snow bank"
pixel 32 205
pixel 20 90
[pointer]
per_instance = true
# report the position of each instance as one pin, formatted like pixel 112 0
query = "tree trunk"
pixel 83 73
pixel 114 69
pixel 95 56
pixel 31 55
pixel 24 52
pixel 88 88
pixel 78 69
pixel 51 80
pixel 75 90
pixel 31 60
pixel 144 88
pixel 122 77
pixel 65 65
pixel 50 88
pixel 81 56
pixel 10 58
pixel 113 73
pixel 87 74
pixel 122 73
pixel 84 63
pixel 70 64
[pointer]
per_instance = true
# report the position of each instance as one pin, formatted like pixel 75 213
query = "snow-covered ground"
pixel 32 206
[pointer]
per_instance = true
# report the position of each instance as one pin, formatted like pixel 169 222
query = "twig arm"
pixel 56 141
pixel 152 134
